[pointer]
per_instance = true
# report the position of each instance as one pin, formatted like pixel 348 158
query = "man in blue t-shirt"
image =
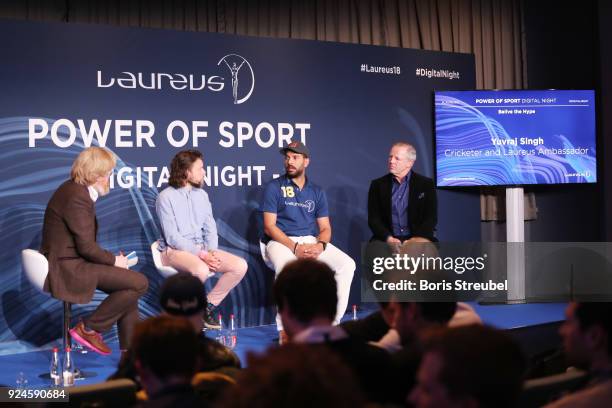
pixel 296 224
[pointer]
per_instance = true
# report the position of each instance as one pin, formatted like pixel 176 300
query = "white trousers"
pixel 342 265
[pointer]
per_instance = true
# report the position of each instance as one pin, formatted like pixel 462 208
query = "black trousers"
pixel 124 287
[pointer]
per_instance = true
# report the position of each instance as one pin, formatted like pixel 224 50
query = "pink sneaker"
pixel 90 339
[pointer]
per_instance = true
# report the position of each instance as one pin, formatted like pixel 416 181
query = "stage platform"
pixel 534 325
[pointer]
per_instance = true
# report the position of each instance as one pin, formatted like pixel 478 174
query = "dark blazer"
pixel 422 207
pixel 69 243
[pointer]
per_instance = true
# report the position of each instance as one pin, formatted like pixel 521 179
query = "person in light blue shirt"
pixel 189 239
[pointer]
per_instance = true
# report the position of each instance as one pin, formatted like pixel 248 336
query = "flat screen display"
pixel 518 137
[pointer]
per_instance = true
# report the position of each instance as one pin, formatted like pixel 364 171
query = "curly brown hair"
pixel 181 162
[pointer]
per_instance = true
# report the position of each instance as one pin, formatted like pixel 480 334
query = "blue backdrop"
pixel 146 94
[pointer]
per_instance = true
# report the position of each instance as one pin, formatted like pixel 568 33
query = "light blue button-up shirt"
pixel 186 219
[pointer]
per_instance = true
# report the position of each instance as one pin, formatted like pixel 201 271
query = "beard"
pixel 196 184
pixel 296 173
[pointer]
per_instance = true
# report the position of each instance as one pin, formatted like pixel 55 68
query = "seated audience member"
pixel 305 292
pixel 410 321
pixel 462 314
pixel 587 342
pixel 369 328
pixel 414 322
pixel 296 376
pixel 378 328
pixel 469 366
pixel 184 295
pixel 210 386
pixel 166 357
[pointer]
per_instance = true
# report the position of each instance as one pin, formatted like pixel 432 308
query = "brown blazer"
pixel 69 243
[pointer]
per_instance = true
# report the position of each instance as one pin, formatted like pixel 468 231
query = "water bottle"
pixel 220 336
pixel 68 371
pixel 354 312
pixel 54 369
pixel 232 334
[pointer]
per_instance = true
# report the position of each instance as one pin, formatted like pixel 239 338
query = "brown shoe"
pixel 90 339
pixel 283 338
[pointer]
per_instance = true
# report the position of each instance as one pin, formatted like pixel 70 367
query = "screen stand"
pixel 515 237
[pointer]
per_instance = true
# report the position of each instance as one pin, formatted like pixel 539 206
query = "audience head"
pixel 411 318
pixel 414 262
pixel 469 366
pixel 295 376
pixel 587 333
pixel 305 293
pixel 387 311
pixel 165 351
pixel 418 310
pixel 184 295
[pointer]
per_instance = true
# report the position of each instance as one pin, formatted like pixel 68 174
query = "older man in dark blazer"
pixel 402 205
pixel 77 264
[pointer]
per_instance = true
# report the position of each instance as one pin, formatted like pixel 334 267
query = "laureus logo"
pixel 241 80
pixel 241 72
pixel 310 204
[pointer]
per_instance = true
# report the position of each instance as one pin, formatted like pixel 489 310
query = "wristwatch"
pixel 324 244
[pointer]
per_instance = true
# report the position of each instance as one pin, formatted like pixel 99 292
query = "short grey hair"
pixel 412 155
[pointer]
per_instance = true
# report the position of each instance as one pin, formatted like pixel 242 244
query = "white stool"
pixel 264 256
pixel 164 271
pixel 36 268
